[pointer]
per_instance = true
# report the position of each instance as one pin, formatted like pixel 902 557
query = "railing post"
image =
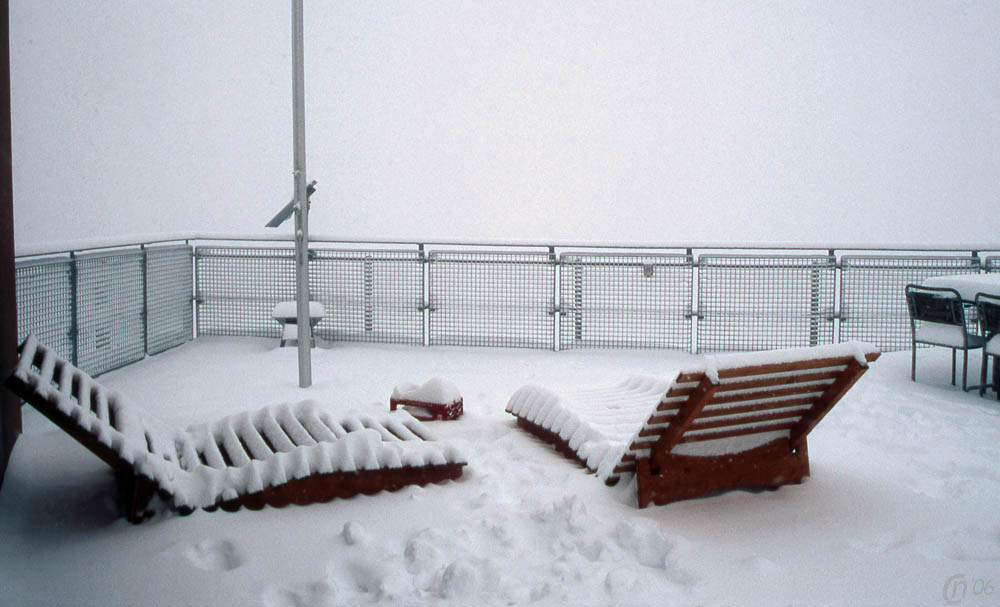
pixel 555 299
pixel 10 406
pixel 694 301
pixel 145 300
pixel 426 294
pixel 369 294
pixel 195 320
pixel 194 292
pixel 814 310
pixel 74 323
pixel 578 302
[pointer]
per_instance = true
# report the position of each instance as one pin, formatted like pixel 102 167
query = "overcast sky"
pixel 674 122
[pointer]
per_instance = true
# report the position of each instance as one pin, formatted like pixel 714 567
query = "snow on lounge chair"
pixel 279 455
pixel 730 421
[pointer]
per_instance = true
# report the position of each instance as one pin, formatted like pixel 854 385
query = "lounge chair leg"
pixel 913 361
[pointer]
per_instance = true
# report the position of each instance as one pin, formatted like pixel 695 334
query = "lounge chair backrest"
pixel 739 403
pixel 96 417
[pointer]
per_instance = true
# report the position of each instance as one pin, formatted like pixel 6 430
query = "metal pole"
pixel 10 405
pixel 304 328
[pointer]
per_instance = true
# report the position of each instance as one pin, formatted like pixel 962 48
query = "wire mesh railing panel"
pixel 238 287
pixel 492 299
pixel 371 296
pixel 625 301
pixel 760 302
pixel 109 314
pixel 873 299
pixel 992 264
pixel 45 304
pixel 169 317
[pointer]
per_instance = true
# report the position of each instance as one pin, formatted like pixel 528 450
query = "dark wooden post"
pixel 10 405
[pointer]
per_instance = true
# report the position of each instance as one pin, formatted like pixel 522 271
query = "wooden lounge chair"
pixel 280 455
pixel 731 421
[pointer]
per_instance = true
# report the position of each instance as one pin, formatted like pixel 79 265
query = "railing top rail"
pixel 76 246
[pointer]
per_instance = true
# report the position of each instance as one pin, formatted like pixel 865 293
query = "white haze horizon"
pixel 561 121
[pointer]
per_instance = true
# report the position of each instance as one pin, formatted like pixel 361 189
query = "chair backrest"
pixel 989 313
pixel 741 402
pixel 935 304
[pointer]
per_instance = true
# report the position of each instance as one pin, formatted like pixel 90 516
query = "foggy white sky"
pixel 818 122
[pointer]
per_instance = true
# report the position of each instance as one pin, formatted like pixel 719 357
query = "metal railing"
pixel 107 308
pixel 104 310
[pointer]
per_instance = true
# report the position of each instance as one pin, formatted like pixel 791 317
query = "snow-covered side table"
pixel 286 313
pixel 436 399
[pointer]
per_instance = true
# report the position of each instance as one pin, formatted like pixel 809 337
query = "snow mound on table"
pixel 437 390
pixel 289 309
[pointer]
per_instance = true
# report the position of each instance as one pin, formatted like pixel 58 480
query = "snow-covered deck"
pixel 902 498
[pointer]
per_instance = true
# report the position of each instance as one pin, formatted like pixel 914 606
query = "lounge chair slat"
pixel 235 450
pixel 756 429
pixel 800 365
pixel 293 428
pixel 779 380
pixel 707 412
pixel 272 431
pixel 773 392
pixel 212 454
pixel 784 379
pixel 722 422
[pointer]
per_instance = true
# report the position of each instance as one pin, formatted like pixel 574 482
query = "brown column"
pixel 10 406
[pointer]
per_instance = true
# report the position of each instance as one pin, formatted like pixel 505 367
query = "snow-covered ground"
pixel 901 507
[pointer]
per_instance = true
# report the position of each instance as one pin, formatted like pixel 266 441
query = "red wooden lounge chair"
pixel 732 421
pixel 280 455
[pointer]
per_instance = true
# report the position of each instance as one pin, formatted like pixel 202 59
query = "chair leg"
pixel 953 366
pixel 913 361
pixel 965 369
pixel 996 377
pixel 982 374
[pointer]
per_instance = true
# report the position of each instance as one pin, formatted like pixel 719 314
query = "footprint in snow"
pixel 214 555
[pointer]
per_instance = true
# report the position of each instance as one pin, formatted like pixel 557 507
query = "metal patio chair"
pixel 988 307
pixel 937 318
